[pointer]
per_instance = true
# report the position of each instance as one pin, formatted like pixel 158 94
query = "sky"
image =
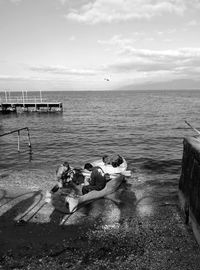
pixel 99 44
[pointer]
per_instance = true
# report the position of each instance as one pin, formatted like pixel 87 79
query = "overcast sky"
pixel 80 44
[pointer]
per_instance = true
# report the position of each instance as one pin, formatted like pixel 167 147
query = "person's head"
pixel 116 161
pixel 88 166
pixel 66 164
pixel 106 159
pixel 62 170
pixel 78 177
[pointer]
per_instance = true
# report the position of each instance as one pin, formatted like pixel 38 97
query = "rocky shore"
pixel 142 232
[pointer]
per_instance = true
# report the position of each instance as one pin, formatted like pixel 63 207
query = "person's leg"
pixel 98 179
pixel 111 187
pixel 87 189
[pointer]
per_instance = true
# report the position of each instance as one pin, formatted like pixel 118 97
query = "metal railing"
pixel 18 136
pixel 23 98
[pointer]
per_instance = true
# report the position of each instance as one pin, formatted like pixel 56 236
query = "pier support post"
pixel 18 139
pixel 40 96
pixel 23 97
pixel 6 98
pixel 35 104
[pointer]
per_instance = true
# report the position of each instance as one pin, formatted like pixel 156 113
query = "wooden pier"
pixel 23 103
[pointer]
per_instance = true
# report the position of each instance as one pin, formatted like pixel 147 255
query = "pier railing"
pixel 22 97
pixel 18 136
pixel 17 100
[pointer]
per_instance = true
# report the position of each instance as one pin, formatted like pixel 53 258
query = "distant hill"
pixel 181 84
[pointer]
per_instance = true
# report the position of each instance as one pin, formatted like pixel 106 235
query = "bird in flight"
pixel 106 79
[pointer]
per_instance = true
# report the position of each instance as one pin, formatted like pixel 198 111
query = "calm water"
pixel 147 128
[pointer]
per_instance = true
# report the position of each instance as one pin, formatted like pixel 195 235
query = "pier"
pixel 25 103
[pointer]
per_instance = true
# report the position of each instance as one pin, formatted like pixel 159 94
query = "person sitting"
pixel 67 178
pixel 77 178
pixel 97 179
pixel 63 175
pixel 106 159
pixel 116 161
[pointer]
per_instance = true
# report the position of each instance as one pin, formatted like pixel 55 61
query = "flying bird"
pixel 106 79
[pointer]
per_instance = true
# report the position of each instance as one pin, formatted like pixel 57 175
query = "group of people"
pixel 91 177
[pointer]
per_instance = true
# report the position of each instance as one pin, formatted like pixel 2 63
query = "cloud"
pixel 183 61
pixel 12 78
pixel 62 1
pixel 96 11
pixel 16 1
pixel 71 4
pixel 117 40
pixel 192 23
pixel 125 49
pixel 72 38
pixel 60 70
pixel 140 64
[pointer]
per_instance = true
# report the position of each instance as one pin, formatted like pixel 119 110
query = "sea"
pixel 146 127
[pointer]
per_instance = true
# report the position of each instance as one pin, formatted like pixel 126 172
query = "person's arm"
pixel 107 177
pixel 96 173
pixel 54 189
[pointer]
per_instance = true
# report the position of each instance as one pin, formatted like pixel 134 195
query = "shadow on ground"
pixel 92 233
pixel 106 234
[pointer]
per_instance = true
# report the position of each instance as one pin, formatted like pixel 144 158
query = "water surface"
pixel 146 127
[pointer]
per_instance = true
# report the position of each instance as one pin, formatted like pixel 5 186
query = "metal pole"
pixel 18 136
pixel 35 104
pixel 18 132
pixel 29 140
pixel 23 97
pixel 196 130
pixel 6 96
pixel 40 96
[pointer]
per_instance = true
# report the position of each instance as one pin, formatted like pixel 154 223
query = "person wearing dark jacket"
pixel 97 180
